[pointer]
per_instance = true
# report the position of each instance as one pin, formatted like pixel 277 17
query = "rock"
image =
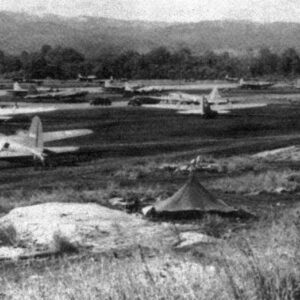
pixel 183 168
pixel 117 201
pixel 147 210
pixel 10 252
pixel 280 190
pixel 84 225
pixel 190 239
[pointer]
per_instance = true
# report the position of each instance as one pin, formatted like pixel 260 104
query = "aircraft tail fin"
pixel 35 133
pixel 17 87
pixel 127 87
pixel 107 83
pixel 214 95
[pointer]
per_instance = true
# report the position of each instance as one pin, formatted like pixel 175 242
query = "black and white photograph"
pixel 149 149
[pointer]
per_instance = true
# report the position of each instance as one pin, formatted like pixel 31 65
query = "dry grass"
pixel 8 236
pixel 266 259
pixel 258 263
pixel 162 277
pixel 63 245
pixel 240 164
pixel 255 183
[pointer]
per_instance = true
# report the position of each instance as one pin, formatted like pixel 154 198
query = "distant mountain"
pixel 93 36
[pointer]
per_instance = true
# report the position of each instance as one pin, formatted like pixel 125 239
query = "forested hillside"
pixel 95 36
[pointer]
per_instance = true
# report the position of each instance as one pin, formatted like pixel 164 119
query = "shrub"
pixel 63 245
pixel 8 236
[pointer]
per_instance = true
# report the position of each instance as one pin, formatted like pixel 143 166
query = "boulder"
pixel 40 227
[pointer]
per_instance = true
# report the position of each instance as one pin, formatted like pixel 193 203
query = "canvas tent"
pixel 193 198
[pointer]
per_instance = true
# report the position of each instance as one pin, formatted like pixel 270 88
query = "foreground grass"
pixel 261 262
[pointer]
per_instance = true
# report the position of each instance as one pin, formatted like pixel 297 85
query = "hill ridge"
pixel 94 35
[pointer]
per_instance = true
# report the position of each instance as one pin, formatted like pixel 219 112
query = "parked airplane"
pixel 183 103
pixel 8 111
pixel 71 94
pixel 254 85
pixel 219 105
pixel 231 79
pixel 31 143
pixel 18 91
pixel 140 90
pixel 209 106
pixel 45 93
pixel 89 78
pixel 115 87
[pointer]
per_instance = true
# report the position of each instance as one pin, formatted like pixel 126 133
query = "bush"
pixel 63 245
pixel 8 236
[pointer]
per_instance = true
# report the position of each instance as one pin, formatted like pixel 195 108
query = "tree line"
pixel 160 63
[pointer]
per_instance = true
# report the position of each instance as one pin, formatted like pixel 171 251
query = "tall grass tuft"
pixel 8 236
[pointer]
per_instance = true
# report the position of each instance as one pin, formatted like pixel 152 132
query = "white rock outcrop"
pixel 84 225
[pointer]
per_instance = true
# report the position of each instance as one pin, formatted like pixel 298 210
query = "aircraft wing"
pixel 222 109
pixel 11 156
pixel 190 112
pixel 7 155
pixel 65 134
pixel 4 118
pixel 8 113
pixel 58 150
pixel 223 112
pixel 228 107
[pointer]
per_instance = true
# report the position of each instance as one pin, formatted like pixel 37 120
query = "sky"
pixel 164 10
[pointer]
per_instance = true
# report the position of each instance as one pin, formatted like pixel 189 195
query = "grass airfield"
pixel 124 158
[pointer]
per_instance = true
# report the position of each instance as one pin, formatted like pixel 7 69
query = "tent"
pixel 192 198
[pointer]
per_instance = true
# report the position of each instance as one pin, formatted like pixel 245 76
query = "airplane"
pixel 45 94
pixel 26 144
pixel 183 103
pixel 17 90
pixel 254 85
pixel 89 78
pixel 111 86
pixel 140 90
pixel 8 111
pixel 231 79
pixel 208 106
pixel 132 89
pixel 57 95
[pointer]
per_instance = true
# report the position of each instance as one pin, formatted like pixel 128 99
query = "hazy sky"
pixel 164 10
